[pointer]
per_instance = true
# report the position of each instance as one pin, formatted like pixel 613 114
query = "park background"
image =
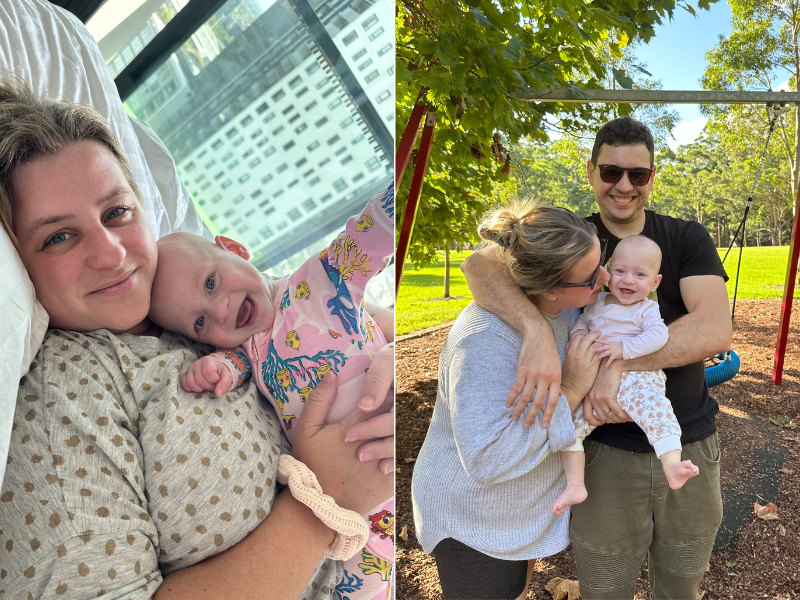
pixel 490 148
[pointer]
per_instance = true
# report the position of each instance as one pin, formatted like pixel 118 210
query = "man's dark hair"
pixel 623 131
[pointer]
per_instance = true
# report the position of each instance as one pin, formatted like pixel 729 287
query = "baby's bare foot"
pixel 572 494
pixel 679 473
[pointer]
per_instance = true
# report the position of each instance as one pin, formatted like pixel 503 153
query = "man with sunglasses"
pixel 631 512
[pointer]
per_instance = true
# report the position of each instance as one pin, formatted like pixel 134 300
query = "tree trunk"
pixel 446 272
pixel 719 241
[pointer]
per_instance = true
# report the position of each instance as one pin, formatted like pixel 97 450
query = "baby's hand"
pixel 208 373
pixel 604 348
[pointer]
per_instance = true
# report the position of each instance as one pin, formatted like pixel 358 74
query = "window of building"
pixel 256 133
pixel 370 22
pixel 383 96
pixel 372 76
pixel 237 142
pixel 269 211
pixel 312 105
pixel 248 154
pixel 229 213
pixel 301 128
pixel 267 118
pixel 254 163
pixel 292 184
pixel 321 122
pixel 288 145
pixel 295 82
pixel 358 177
pixel 346 123
pixel 346 160
pixel 339 185
pixel 269 151
pixel 226 184
pixel 294 214
pixel 373 164
pixel 282 168
pixel 301 93
pixel 227 157
pixel 261 108
pixel 312 146
pixel 288 109
pixel 313 182
pixel 266 178
pixel 231 133
pixel 239 199
pixel 324 162
pixel 265 232
pixel 219 175
pixel 279 95
pixel 244 178
pixel 321 84
pixel 359 54
pixel 293 119
pixel 333 140
pixel 278 130
pixel 233 164
pixel 309 205
pixel 350 38
pixel 190 167
pixel 216 145
pixel 375 34
pixel 385 49
pixel 365 64
pixel 246 121
pixel 210 164
pixel 326 197
pixel 256 194
pixel 216 199
pixel 312 68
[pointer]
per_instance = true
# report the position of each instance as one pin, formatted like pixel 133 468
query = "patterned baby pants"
pixel 368 574
pixel 642 396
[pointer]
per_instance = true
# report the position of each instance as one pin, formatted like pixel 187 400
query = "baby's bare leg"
pixel 677 471
pixel 575 492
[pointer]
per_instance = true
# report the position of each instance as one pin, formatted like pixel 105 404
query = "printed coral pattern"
pixel 320 326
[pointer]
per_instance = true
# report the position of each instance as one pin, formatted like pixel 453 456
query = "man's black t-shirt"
pixel 687 250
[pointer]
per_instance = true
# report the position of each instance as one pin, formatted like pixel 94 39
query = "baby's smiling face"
pixel 208 291
pixel 634 269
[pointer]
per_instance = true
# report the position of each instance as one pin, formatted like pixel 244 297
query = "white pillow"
pixel 22 329
pixel 51 49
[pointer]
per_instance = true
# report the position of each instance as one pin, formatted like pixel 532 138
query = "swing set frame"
pixel 423 110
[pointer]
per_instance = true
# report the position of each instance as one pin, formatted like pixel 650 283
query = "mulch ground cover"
pixel 753 558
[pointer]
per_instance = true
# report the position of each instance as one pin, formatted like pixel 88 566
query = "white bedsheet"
pixel 53 51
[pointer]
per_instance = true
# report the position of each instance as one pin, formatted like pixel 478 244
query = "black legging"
pixel 466 574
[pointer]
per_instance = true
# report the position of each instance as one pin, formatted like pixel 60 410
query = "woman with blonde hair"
pixel 484 482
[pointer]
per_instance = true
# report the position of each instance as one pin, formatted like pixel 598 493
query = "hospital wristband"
pixel 351 528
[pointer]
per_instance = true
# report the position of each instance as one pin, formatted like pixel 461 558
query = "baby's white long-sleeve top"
pixel 639 326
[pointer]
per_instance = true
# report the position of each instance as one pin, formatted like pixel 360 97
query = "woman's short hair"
pixel 32 126
pixel 539 244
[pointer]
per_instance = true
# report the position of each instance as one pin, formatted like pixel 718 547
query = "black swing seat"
pixel 722 367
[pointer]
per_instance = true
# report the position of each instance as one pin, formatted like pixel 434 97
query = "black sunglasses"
pixel 613 173
pixel 593 280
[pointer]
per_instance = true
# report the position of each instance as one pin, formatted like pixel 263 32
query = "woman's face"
pixel 576 297
pixel 84 239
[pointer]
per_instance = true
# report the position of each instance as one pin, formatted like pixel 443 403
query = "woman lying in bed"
pixel 102 425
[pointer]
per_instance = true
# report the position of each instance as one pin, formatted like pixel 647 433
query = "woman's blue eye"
pixel 58 238
pixel 209 284
pixel 115 212
pixel 200 321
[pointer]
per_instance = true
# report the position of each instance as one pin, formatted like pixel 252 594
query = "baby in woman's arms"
pixel 286 334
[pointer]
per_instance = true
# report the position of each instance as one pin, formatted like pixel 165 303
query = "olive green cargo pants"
pixel 631 513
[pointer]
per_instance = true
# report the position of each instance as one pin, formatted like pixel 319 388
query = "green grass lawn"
pixel 420 303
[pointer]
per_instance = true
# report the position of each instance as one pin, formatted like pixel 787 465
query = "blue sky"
pixel 677 56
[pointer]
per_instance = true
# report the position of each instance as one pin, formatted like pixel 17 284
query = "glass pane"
pixel 122 28
pixel 265 136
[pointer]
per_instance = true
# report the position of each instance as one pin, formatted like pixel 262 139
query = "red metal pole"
pixel 408 139
pixel 788 296
pixel 414 193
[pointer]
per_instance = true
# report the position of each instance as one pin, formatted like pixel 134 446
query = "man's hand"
pixel 539 372
pixel 207 373
pixel 605 348
pixel 603 397
pixel 377 432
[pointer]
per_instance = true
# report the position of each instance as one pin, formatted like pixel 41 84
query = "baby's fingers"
pixel 224 383
pixel 209 372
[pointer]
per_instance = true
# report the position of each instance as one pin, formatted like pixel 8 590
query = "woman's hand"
pixel 580 368
pixel 539 372
pixel 377 433
pixel 355 485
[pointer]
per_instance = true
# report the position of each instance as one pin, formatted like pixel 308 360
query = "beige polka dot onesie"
pixel 117 477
